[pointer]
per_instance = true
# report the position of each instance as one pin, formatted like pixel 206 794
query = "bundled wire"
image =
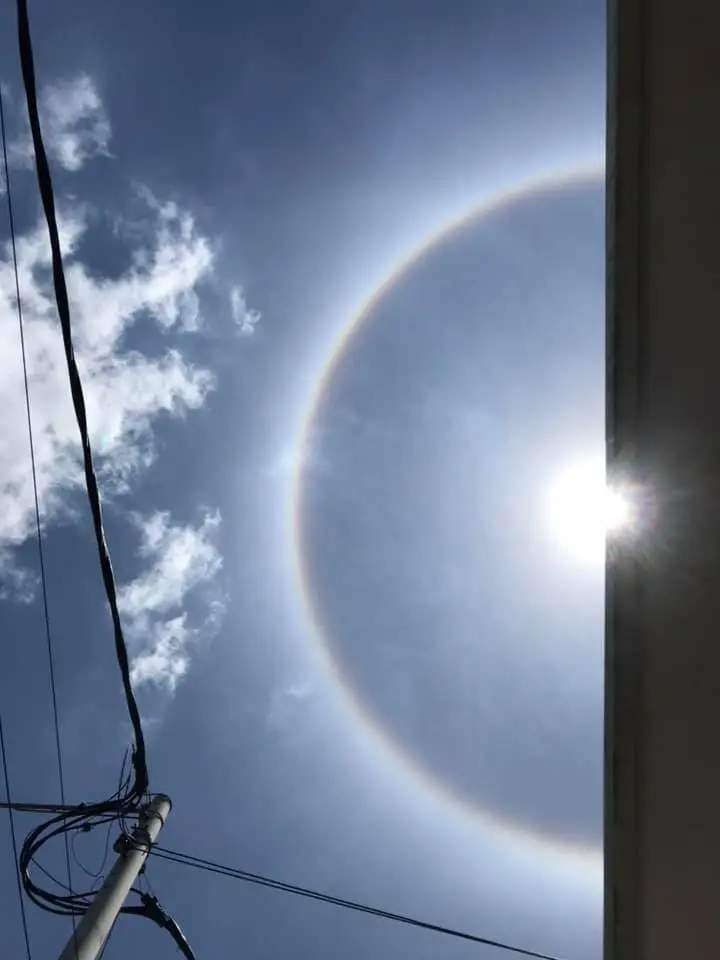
pixel 47 195
pixel 129 800
pixel 70 821
pixel 126 802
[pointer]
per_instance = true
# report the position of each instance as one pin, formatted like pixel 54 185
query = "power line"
pixel 11 818
pixel 106 849
pixel 63 307
pixel 208 865
pixel 22 807
pixel 38 530
pixel 129 797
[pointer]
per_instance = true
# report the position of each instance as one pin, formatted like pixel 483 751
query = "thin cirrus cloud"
pixel 245 317
pixel 129 390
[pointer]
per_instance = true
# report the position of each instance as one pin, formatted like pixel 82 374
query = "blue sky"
pixel 395 697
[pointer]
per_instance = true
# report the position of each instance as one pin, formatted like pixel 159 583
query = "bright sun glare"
pixel 583 510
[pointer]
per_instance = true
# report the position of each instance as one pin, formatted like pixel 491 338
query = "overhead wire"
pixel 132 792
pixel 33 470
pixel 105 812
pixel 89 825
pixel 47 196
pixel 51 876
pixel 13 840
pixel 22 807
pixel 54 879
pixel 128 800
pixel 106 849
pixel 25 807
pixel 238 874
pixel 129 797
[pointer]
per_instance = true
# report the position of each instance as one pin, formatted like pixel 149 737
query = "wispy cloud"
pixel 16 583
pixel 181 559
pixel 75 125
pixel 245 317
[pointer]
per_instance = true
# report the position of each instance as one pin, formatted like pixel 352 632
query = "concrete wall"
pixel 663 646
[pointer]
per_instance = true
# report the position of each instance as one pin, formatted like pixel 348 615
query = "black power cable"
pixel 200 864
pixel 38 529
pixel 106 850
pixel 61 296
pixel 66 822
pixel 22 807
pixel 128 799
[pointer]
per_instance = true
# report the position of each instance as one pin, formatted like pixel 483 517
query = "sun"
pixel 583 510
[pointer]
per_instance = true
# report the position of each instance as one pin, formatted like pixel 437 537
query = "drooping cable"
pixel 70 820
pixel 235 873
pixel 106 812
pixel 127 801
pixel 61 296
pixel 68 903
pixel 106 850
pixel 33 470
pixel 13 839
pixel 89 825
pixel 50 876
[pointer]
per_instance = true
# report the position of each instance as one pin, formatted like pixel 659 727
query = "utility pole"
pixel 94 928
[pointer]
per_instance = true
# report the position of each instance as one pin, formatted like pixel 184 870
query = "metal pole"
pixel 94 928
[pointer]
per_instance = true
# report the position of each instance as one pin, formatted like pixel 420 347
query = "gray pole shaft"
pixel 93 930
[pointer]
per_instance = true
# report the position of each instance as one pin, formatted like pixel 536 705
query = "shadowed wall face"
pixel 663 777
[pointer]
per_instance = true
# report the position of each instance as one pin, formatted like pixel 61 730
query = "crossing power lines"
pixel 236 873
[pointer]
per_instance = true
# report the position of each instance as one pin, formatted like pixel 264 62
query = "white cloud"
pixel 77 126
pixel 126 390
pixel 181 559
pixel 245 317
pixel 74 123
pixel 164 661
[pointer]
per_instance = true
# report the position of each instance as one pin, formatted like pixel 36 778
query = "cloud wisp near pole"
pixel 94 928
